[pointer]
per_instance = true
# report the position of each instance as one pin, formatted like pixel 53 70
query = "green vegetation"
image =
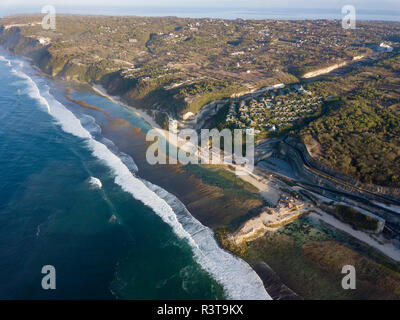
pixel 356 219
pixel 219 177
pixel 222 237
pixel 188 62
pixel 162 120
pixel 274 112
pixel 206 92
pixel 317 255
pixel 359 132
pixel 170 66
pixel 360 140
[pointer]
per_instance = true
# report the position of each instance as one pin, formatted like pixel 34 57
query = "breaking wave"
pixel 33 89
pixel 94 182
pixel 238 279
pixel 4 59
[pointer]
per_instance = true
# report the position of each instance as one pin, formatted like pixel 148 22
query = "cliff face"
pixel 135 92
pixel 145 95
pixel 115 84
pixel 18 44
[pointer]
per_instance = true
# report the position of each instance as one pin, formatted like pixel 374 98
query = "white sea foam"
pixel 113 219
pixel 33 89
pixel 95 182
pixel 125 158
pixel 240 280
pixel 4 59
pixel 109 144
pixel 235 275
pixel 89 123
pixel 128 161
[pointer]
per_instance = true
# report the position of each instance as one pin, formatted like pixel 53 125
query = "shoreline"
pixel 140 113
pixel 151 122
pixel 387 250
pixel 240 282
pixel 101 91
pixel 122 104
pixel 266 189
pixel 247 176
pixel 175 200
pixel 187 192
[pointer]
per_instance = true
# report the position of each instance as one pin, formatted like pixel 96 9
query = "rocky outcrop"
pixel 116 84
pixel 68 68
pixel 208 111
pixel 18 44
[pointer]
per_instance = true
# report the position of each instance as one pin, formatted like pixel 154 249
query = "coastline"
pixel 256 225
pixel 275 286
pixel 140 113
pixel 149 120
pixel 254 179
pixel 262 273
pixel 169 183
pixel 172 200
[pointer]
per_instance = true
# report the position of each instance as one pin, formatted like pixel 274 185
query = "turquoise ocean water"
pixel 125 239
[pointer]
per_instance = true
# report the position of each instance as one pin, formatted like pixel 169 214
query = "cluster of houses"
pixel 287 208
pixel 286 202
pixel 274 109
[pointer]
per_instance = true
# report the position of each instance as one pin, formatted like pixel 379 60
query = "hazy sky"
pixel 361 4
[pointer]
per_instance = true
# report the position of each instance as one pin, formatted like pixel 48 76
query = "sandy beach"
pixel 255 227
pixel 266 188
pixel 211 205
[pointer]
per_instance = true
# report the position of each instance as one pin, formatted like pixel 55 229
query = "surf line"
pixel 239 282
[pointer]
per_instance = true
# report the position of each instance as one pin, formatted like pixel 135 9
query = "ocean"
pixel 69 198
